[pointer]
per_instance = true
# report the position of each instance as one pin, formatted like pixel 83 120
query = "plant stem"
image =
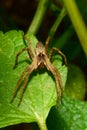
pixel 57 22
pixel 41 122
pixel 42 126
pixel 77 22
pixel 38 17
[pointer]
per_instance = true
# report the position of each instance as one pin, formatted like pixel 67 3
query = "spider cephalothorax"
pixel 40 59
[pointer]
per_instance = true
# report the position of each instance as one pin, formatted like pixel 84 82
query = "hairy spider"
pixel 40 59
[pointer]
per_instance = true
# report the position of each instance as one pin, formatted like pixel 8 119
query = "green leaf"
pixel 70 115
pixel 76 83
pixel 40 94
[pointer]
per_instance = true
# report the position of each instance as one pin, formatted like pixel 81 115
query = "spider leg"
pixel 30 69
pixel 59 52
pixel 31 49
pixel 57 76
pixel 18 84
pixel 23 88
pixel 47 43
pixel 19 53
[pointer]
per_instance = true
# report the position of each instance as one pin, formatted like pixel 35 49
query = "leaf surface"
pixel 70 115
pixel 40 94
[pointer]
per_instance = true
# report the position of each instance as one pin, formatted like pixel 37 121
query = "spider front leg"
pixel 19 53
pixel 29 49
pixel 47 43
pixel 59 52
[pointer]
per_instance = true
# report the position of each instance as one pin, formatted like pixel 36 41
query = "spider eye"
pixel 41 55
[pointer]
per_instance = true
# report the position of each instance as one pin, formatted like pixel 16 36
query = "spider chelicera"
pixel 40 59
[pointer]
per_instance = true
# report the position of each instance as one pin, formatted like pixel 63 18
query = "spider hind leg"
pixel 28 70
pixel 23 88
pixel 18 85
pixel 58 80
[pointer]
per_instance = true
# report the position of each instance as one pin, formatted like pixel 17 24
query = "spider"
pixel 40 59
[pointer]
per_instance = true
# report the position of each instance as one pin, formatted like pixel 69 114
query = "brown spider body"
pixel 40 59
pixel 40 55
